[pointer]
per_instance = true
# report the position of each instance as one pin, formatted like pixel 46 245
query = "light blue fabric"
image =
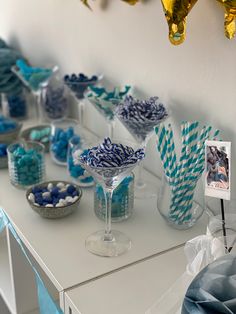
pixel 45 301
pixel 213 291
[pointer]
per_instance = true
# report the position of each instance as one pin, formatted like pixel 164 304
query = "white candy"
pixel 75 198
pixel 69 199
pixel 36 204
pixel 49 205
pixel 67 185
pixel 59 205
pixel 60 185
pixel 46 194
pixel 31 197
pixel 62 202
pixel 63 189
pixel 50 186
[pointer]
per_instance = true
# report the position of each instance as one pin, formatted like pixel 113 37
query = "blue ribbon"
pixel 45 301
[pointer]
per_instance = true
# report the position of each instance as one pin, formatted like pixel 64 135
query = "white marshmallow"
pixel 31 197
pixel 50 186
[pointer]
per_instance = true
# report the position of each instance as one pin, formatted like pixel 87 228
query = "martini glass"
pixel 105 102
pixel 79 88
pixel 140 117
pixel 109 242
pixel 36 87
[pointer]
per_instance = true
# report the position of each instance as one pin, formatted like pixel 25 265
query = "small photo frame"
pixel 217 170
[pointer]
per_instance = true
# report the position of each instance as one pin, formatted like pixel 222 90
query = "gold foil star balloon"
pixel 176 12
pixel 85 2
pixel 230 15
pixel 131 2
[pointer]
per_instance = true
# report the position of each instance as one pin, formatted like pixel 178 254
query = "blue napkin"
pixel 213 291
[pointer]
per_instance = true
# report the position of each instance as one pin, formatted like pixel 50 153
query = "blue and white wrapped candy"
pixel 140 116
pixel 111 155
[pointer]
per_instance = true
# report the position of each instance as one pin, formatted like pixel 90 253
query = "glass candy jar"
pixel 79 174
pixel 26 163
pixel 15 105
pixel 54 100
pixel 182 208
pixel 122 200
pixel 61 132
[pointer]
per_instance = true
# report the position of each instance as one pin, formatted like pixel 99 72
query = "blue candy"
pixel 60 142
pixel 17 106
pixel 6 124
pixel 140 116
pixel 79 84
pixel 3 150
pixel 109 155
pixel 71 189
pixel 28 166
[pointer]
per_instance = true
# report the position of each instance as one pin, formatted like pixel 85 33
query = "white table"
pixel 58 246
pixel 129 291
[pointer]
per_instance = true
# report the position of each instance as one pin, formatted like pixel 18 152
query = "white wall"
pixel 130 45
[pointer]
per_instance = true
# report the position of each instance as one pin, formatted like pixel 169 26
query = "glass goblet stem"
pixel 111 124
pixel 81 112
pixel 140 182
pixel 39 112
pixel 108 203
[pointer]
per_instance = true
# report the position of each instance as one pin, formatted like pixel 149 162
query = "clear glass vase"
pixel 181 209
pixel 122 200
pixel 61 132
pixel 26 163
pixel 80 176
pixel 15 105
pixel 54 100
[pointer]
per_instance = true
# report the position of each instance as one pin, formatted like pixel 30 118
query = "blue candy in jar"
pixel 7 125
pixel 3 150
pixel 122 200
pixel 59 144
pixel 15 105
pixel 79 174
pixel 79 83
pixel 55 103
pixel 26 165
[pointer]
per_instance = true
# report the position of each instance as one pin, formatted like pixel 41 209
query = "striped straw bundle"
pixel 183 175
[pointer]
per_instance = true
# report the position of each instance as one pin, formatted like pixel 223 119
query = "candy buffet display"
pixel 176 201
pixel 106 101
pixel 77 146
pixel 140 117
pixel 26 163
pixel 122 200
pixel 109 163
pixel 61 133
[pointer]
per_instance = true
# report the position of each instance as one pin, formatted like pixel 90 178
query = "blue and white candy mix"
pixel 140 116
pixel 111 155
pixel 54 195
